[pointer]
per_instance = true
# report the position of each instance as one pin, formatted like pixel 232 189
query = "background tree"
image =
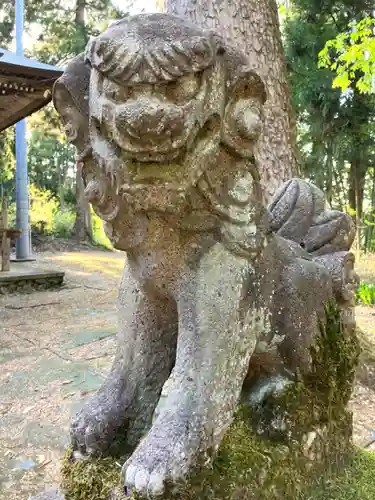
pixel 7 160
pixel 254 25
pixel 351 55
pixel 335 129
pixel 59 30
pixel 65 33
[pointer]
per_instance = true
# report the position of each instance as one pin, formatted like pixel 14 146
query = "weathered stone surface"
pixel 220 296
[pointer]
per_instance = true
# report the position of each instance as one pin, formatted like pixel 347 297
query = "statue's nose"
pixel 149 118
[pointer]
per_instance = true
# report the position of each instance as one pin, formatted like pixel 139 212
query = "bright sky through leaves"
pixel 134 6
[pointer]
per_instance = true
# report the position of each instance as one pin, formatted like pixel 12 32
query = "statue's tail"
pixel 299 212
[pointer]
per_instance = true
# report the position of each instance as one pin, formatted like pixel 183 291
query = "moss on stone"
pixel 246 468
pixel 316 439
pixel 89 479
pixel 354 482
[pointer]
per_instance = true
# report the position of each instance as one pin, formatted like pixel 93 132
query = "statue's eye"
pixel 70 131
pixel 184 89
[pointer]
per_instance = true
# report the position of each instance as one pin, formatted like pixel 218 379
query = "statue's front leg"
pixel 215 341
pixel 122 408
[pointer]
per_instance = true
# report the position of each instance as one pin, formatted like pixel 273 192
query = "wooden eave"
pixel 25 87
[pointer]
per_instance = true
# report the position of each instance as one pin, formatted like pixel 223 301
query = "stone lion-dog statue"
pixel 165 117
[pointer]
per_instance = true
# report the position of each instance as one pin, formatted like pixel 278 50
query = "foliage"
pixel 43 207
pixel 354 482
pixel 99 235
pixel 50 159
pixel 366 294
pixel 67 27
pixel 335 130
pixel 47 217
pixel 63 222
pixel 7 160
pixel 7 17
pixel 352 55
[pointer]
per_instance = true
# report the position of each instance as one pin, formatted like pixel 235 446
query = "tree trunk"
pixel 340 194
pixel 369 243
pixel 329 171
pixel 82 229
pixel 356 188
pixel 80 13
pixel 254 26
pixel 357 177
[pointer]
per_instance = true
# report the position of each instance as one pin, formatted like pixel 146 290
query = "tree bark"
pixel 369 246
pixel 82 229
pixel 254 26
pixel 357 176
pixel 80 13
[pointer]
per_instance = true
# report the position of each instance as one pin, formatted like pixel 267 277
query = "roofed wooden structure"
pixel 25 87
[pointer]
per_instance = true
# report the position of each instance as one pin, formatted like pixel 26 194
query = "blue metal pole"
pixel 22 188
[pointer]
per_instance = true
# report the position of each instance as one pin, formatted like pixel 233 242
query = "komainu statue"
pixel 221 297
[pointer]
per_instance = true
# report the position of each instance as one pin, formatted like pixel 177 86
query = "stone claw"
pixel 145 483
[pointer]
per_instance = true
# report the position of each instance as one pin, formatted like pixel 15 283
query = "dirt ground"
pixel 55 349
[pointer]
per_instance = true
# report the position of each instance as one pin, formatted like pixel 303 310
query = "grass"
pixel 91 262
pixel 366 294
pixel 355 482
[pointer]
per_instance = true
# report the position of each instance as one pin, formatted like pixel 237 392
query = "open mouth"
pixel 107 213
pixel 99 200
pixel 148 155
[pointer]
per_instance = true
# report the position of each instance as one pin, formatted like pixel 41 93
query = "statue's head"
pixel 166 101
pixel 158 85
pixel 71 100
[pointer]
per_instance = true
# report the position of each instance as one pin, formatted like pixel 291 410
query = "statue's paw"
pixel 94 428
pixel 145 483
pixel 164 457
pixel 87 434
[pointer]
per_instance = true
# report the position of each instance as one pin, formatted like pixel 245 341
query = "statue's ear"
pixel 60 96
pixel 246 95
pixel 74 121
pixel 247 84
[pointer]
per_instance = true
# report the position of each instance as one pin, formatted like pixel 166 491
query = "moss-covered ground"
pixel 246 468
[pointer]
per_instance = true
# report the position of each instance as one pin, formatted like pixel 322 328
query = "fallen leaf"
pixel 43 464
pixel 27 409
pixel 69 395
